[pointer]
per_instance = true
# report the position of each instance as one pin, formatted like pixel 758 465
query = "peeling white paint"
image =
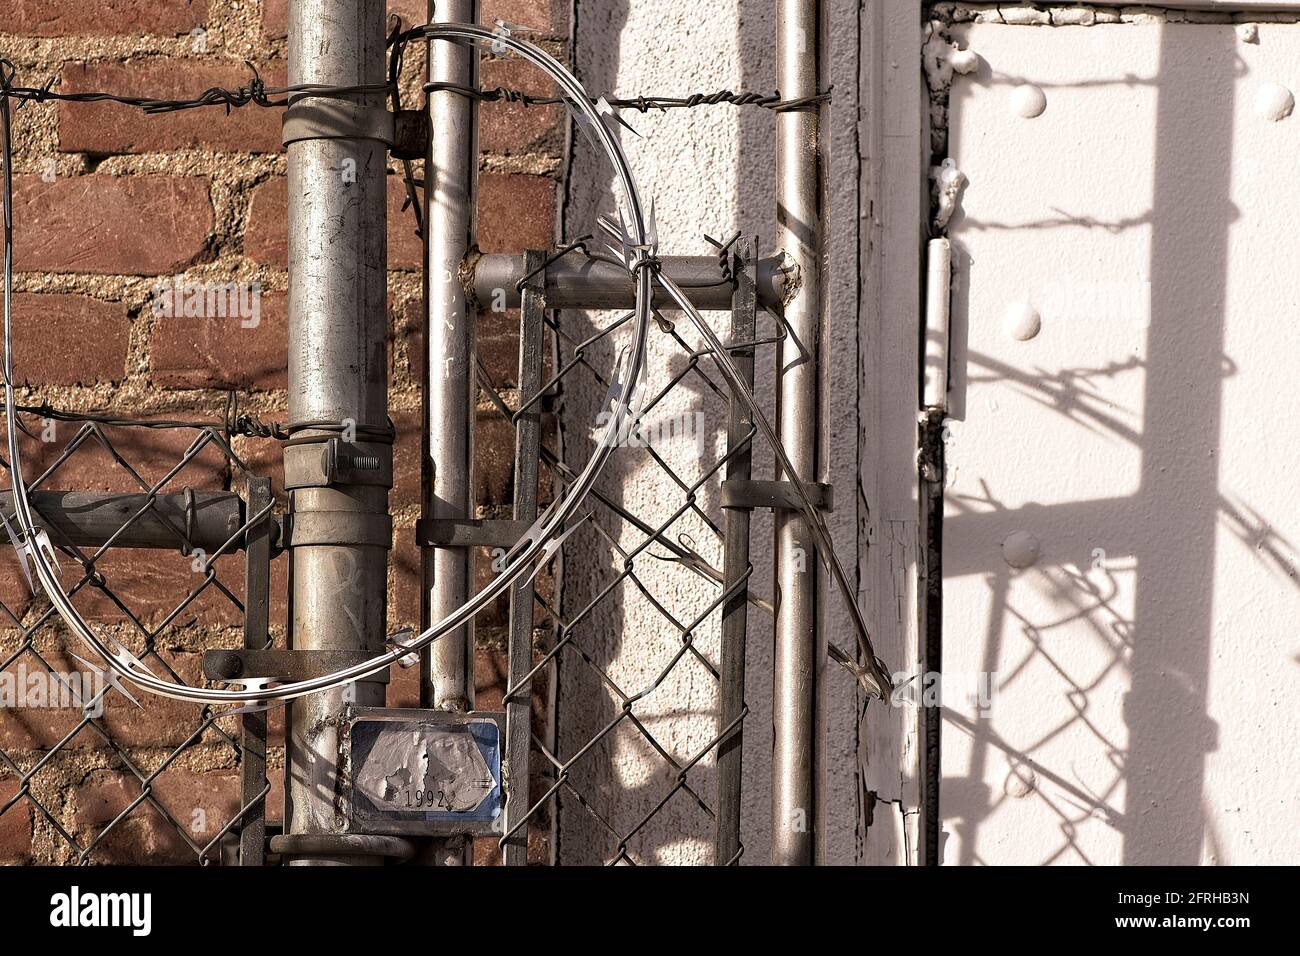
pixel 949 181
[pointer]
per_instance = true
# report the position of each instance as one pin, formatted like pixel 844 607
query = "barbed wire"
pixel 642 104
pixel 256 93
pixel 236 423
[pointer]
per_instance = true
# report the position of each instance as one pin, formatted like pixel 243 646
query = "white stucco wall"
pixel 711 170
pixel 1147 666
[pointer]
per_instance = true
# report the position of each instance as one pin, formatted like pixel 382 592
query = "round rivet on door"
pixel 1274 102
pixel 1028 100
pixel 1021 321
pixel 1020 549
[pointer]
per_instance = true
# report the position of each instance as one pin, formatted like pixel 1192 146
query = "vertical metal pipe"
pixel 451 173
pixel 447 485
pixel 337 371
pixel 801 160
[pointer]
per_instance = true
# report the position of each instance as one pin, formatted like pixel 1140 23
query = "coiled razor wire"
pixel 637 250
pixel 536 547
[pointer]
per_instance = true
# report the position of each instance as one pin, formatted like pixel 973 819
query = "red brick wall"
pixel 108 201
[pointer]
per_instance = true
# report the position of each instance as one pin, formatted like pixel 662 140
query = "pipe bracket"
pixel 406 132
pixel 777 495
pixel 332 461
pixel 288 665
pixel 358 528
pixel 468 533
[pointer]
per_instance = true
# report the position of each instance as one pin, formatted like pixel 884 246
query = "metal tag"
pixel 424 772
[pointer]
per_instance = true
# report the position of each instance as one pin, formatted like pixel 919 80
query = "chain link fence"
pixel 111 777
pixel 613 767
pixel 627 773
pixel 104 775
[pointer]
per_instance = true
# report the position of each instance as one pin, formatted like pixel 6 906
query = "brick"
pixel 109 128
pixel 539 14
pixel 159 722
pixel 513 127
pixel 56 18
pixel 404 560
pixel 404 687
pixel 412 12
pixel 543 15
pixel 14 593
pixel 496 337
pixel 152 453
pixel 491 677
pixel 275 18
pixel 152 584
pixel 494 461
pixel 405 248
pixel 200 803
pixel 69 340
pixel 487 850
pixel 494 457
pixel 516 212
pixel 223 352
pixel 27 727
pixel 266 237
pixel 406 459
pixel 405 602
pixel 15 826
pixel 124 225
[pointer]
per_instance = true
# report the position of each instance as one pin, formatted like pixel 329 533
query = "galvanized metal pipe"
pixel 449 392
pixel 337 371
pixel 798 718
pixel 451 173
pixel 575 282
pixel 89 519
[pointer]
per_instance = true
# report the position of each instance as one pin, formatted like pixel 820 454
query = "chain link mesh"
pixel 110 782
pixel 633 647
pixel 106 780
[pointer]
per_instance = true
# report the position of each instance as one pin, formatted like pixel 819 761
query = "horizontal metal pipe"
pixel 88 519
pixel 574 282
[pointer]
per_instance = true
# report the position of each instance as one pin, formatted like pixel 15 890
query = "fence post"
pixel 252 735
pixel 528 442
pixel 337 374
pixel 736 568
pixel 449 390
pixel 801 161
